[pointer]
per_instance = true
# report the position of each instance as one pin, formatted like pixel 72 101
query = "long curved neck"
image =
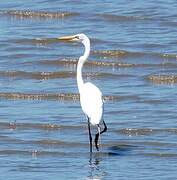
pixel 81 62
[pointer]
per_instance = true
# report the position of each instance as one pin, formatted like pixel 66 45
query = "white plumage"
pixel 91 102
pixel 90 95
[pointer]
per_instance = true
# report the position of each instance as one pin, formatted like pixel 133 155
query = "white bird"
pixel 90 96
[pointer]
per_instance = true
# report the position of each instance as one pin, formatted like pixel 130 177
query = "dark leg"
pixel 105 128
pixel 97 135
pixel 90 136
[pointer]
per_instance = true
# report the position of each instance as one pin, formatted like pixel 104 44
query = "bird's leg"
pixel 90 136
pixel 98 134
pixel 97 137
pixel 105 128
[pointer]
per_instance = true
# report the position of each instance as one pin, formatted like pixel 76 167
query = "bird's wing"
pixel 91 102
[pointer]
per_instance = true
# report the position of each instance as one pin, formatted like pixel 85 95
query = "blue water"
pixel 43 131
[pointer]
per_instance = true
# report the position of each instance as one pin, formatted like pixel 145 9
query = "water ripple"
pixel 50 96
pixel 88 63
pixel 145 131
pixel 163 79
pixel 37 14
pixel 73 62
pixel 39 126
pixel 54 75
pixel 118 18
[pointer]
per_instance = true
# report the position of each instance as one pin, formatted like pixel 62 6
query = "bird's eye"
pixel 77 37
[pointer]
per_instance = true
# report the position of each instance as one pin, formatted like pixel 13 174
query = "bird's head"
pixel 79 38
pixel 75 38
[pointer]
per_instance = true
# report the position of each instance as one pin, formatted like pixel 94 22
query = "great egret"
pixel 90 96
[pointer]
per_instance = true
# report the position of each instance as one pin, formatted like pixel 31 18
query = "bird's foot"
pixel 97 147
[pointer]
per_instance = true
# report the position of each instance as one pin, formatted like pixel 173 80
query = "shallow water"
pixel 43 132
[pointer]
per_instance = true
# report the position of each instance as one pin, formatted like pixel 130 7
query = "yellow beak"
pixel 67 38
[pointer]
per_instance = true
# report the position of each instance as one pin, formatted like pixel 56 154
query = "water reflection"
pixel 95 171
